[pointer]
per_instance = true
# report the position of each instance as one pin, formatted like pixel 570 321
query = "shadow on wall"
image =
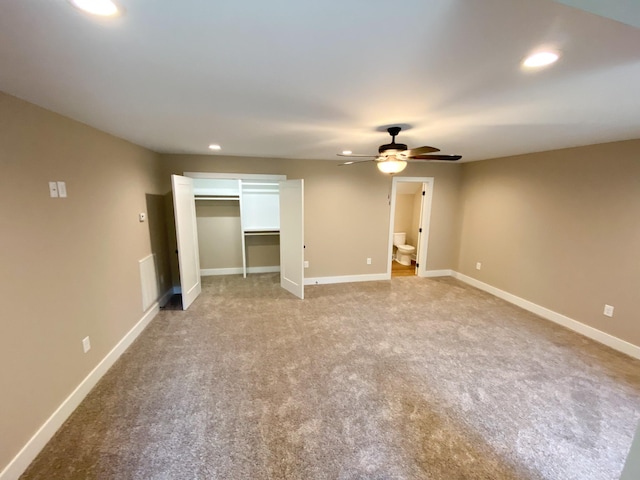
pixel 159 236
pixel 172 241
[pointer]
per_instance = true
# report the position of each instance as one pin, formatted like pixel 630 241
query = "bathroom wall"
pixel 403 220
pixel 408 209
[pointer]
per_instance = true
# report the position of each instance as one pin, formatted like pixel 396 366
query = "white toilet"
pixel 403 252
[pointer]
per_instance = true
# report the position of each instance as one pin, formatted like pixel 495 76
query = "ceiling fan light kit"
pixel 391 165
pixel 393 157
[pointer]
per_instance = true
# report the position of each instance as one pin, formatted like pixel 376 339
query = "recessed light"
pixel 214 147
pixel 540 59
pixel 347 152
pixel 104 8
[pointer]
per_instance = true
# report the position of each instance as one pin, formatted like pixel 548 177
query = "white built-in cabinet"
pixel 258 198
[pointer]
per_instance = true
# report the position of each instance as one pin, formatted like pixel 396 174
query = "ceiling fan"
pixel 393 157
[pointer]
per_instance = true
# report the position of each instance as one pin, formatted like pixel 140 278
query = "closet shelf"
pixel 260 184
pixel 262 232
pixel 231 198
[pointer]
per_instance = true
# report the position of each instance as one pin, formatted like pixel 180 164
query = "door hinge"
pixel 424 193
pixel 417 265
pixel 420 230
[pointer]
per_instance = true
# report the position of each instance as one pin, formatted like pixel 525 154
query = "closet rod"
pixel 261 233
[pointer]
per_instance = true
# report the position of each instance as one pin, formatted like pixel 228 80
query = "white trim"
pixel 28 453
pixel 425 220
pixel 234 176
pixel 208 272
pixel 590 332
pixel 373 277
pixel 150 288
pixel 438 273
pixel 425 225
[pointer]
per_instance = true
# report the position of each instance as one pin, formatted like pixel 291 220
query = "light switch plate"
pixel 608 310
pixel 62 189
pixel 53 189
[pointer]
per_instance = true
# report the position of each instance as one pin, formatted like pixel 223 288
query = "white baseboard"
pixel 438 273
pixel 347 279
pixel 30 451
pixel 590 332
pixel 207 272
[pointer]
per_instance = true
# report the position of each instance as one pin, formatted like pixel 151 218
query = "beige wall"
pixel 560 229
pixel 69 266
pixel 402 221
pixel 346 208
pixel 220 238
pixel 219 235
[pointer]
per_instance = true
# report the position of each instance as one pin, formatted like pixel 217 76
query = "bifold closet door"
pixel 184 207
pixel 292 236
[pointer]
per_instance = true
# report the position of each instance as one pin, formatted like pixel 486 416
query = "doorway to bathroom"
pixel 410 215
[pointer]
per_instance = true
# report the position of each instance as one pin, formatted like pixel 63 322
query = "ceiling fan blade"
pixel 355 155
pixel 450 158
pixel 354 162
pixel 414 152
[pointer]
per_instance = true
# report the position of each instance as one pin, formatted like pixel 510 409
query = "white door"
pixel 419 242
pixel 292 236
pixel 184 208
pixel 425 221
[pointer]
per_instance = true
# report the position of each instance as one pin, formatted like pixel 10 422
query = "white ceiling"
pixel 308 79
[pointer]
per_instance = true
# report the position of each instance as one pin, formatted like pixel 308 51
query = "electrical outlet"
pixel 608 310
pixel 478 266
pixel 368 261
pixel 306 264
pixel 142 217
pixel 86 344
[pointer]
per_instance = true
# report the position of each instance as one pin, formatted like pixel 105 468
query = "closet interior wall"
pixel 238 225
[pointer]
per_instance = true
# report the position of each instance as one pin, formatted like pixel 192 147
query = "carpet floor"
pixel 405 379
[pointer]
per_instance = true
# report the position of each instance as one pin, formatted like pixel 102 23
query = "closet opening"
pixel 238 223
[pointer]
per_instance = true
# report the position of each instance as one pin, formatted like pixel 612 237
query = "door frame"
pixel 425 222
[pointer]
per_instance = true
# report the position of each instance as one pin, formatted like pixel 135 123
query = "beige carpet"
pixel 405 379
